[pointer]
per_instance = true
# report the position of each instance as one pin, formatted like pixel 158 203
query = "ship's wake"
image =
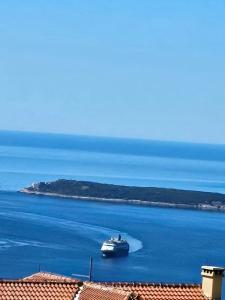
pixel 82 230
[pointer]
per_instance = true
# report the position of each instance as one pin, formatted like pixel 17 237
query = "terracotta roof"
pixel 92 291
pixel 49 286
pixel 47 277
pixel 27 290
pixel 148 291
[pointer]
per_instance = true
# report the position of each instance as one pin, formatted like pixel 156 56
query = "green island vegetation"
pixel 130 194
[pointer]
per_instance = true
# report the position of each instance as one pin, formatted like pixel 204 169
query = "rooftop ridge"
pixel 96 290
pixel 38 282
pixel 48 276
pixel 47 273
pixel 106 288
pixel 153 284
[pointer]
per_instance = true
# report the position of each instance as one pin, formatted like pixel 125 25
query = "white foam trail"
pixel 89 231
pixel 7 243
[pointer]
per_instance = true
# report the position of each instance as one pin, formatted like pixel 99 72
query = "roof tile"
pixel 26 290
pixel 46 277
pixel 92 291
pixel 42 285
pixel 148 291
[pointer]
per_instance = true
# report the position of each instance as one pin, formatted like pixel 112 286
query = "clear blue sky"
pixel 126 68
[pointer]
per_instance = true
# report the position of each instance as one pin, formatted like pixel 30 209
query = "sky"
pixel 122 68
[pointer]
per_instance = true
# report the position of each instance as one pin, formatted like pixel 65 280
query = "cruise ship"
pixel 115 247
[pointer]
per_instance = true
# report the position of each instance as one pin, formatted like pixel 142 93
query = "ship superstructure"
pixel 116 246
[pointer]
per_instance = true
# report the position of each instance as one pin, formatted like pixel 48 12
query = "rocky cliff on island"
pixel 129 194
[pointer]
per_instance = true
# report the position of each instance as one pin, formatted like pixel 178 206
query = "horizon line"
pixel 112 137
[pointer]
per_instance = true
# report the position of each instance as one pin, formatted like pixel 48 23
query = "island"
pixel 152 196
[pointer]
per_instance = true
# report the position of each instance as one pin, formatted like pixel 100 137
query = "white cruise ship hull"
pixel 110 251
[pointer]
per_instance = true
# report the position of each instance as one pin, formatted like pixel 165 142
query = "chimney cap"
pixel 212 268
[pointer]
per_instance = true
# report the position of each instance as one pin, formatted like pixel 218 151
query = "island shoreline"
pixel 203 207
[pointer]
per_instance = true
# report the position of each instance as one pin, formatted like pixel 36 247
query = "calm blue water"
pixel 27 157
pixel 61 234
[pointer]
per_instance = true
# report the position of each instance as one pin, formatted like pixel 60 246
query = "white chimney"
pixel 212 278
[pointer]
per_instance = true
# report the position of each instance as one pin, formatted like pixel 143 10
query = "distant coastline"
pixel 147 196
pixel 134 202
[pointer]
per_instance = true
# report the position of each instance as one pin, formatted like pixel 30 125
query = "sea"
pixel 60 235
